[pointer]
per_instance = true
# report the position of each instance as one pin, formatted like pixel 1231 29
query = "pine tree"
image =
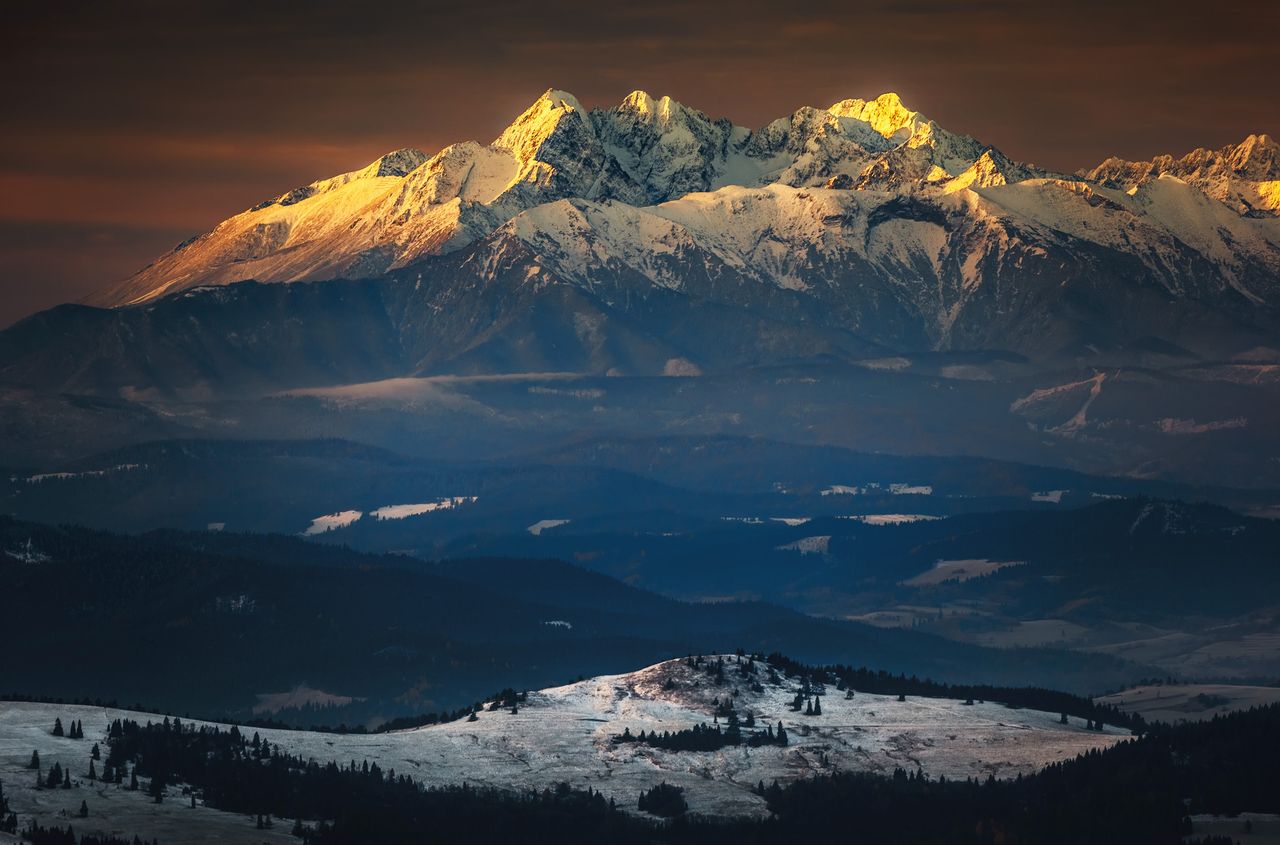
pixel 93 775
pixel 84 809
pixel 35 761
pixel 817 705
pixel 57 727
pixel 95 753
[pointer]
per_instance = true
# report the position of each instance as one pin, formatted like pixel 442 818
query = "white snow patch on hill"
pixel 331 521
pixel 64 476
pixel 808 545
pixel 891 518
pixel 403 511
pixel 959 570
pixel 545 524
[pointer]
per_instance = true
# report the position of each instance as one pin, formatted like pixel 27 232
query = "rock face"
pixel 621 239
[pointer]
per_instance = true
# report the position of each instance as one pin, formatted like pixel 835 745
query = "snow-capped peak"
pixel 537 122
pixel 661 109
pixel 885 114
pixel 651 152
pixel 1244 176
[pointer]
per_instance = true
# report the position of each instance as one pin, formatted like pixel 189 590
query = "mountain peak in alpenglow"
pixel 886 114
pixel 1244 176
pixel 654 159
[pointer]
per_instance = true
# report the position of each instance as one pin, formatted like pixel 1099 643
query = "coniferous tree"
pixel 57 727
pixel 93 775
pixel 817 705
pixel 35 761
pixel 84 809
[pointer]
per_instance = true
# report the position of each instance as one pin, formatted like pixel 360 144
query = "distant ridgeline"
pixel 1143 790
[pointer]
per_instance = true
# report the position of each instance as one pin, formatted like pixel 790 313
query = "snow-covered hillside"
pixel 566 734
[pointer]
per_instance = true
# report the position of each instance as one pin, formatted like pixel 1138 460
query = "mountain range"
pixel 650 239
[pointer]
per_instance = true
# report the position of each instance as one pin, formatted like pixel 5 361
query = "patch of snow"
pixel 1054 496
pixel 892 518
pixel 92 473
pixel 332 521
pixel 545 524
pixel 1172 425
pixel 403 511
pixel 27 553
pixel 959 570
pixel 808 545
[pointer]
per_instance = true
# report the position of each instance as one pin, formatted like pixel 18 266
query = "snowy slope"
pixel 623 239
pixel 565 734
pixel 1244 176
pixel 645 150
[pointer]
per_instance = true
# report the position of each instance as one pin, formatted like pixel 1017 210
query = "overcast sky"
pixel 129 126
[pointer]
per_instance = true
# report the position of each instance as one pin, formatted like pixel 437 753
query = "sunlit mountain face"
pixel 634 473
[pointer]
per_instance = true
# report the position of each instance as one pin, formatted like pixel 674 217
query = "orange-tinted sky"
pixel 128 126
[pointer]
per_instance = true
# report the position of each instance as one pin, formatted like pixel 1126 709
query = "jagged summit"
pixel 651 157
pixel 885 114
pixel 1244 176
